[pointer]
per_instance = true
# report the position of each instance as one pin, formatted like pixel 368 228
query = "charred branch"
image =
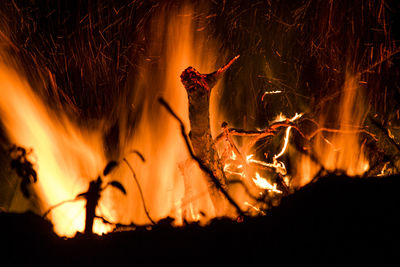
pixel 198 87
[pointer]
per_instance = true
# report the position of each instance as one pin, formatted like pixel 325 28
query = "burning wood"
pixel 198 87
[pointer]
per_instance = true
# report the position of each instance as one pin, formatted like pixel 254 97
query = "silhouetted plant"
pixel 92 197
pixel 23 167
pixel 93 194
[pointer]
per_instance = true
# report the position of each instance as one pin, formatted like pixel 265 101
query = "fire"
pixel 287 134
pixel 342 149
pixel 70 156
pixel 67 157
pixel 172 184
pixel 348 153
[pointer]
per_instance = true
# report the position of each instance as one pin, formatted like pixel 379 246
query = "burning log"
pixel 198 87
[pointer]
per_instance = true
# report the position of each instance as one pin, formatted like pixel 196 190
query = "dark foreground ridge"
pixel 336 221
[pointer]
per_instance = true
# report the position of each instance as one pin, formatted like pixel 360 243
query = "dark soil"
pixel 335 221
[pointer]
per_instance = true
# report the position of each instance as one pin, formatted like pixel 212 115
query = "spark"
pixel 270 93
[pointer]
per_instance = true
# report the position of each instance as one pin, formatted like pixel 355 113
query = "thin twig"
pixel 309 137
pixel 203 167
pixel 271 130
pixel 59 204
pixel 140 190
pixel 257 134
pixel 137 153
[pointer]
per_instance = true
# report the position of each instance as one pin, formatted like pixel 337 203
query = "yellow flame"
pixel 172 184
pixel 70 156
pixel 67 157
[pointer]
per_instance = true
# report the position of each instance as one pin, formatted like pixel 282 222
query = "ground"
pixel 337 220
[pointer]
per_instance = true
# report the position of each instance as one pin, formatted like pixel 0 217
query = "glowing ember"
pixel 264 184
pixel 287 134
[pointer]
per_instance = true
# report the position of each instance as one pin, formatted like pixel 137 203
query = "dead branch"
pixel 140 190
pixel 59 204
pixel 255 135
pixel 198 87
pixel 312 135
pixel 272 130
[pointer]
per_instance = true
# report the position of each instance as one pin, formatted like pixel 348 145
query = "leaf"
pixel 110 166
pixel 139 155
pixel 118 185
pixel 81 195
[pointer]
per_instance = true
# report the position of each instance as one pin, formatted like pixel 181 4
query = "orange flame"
pixel 67 157
pixel 343 149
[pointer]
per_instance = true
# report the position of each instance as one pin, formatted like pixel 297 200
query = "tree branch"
pixel 202 166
